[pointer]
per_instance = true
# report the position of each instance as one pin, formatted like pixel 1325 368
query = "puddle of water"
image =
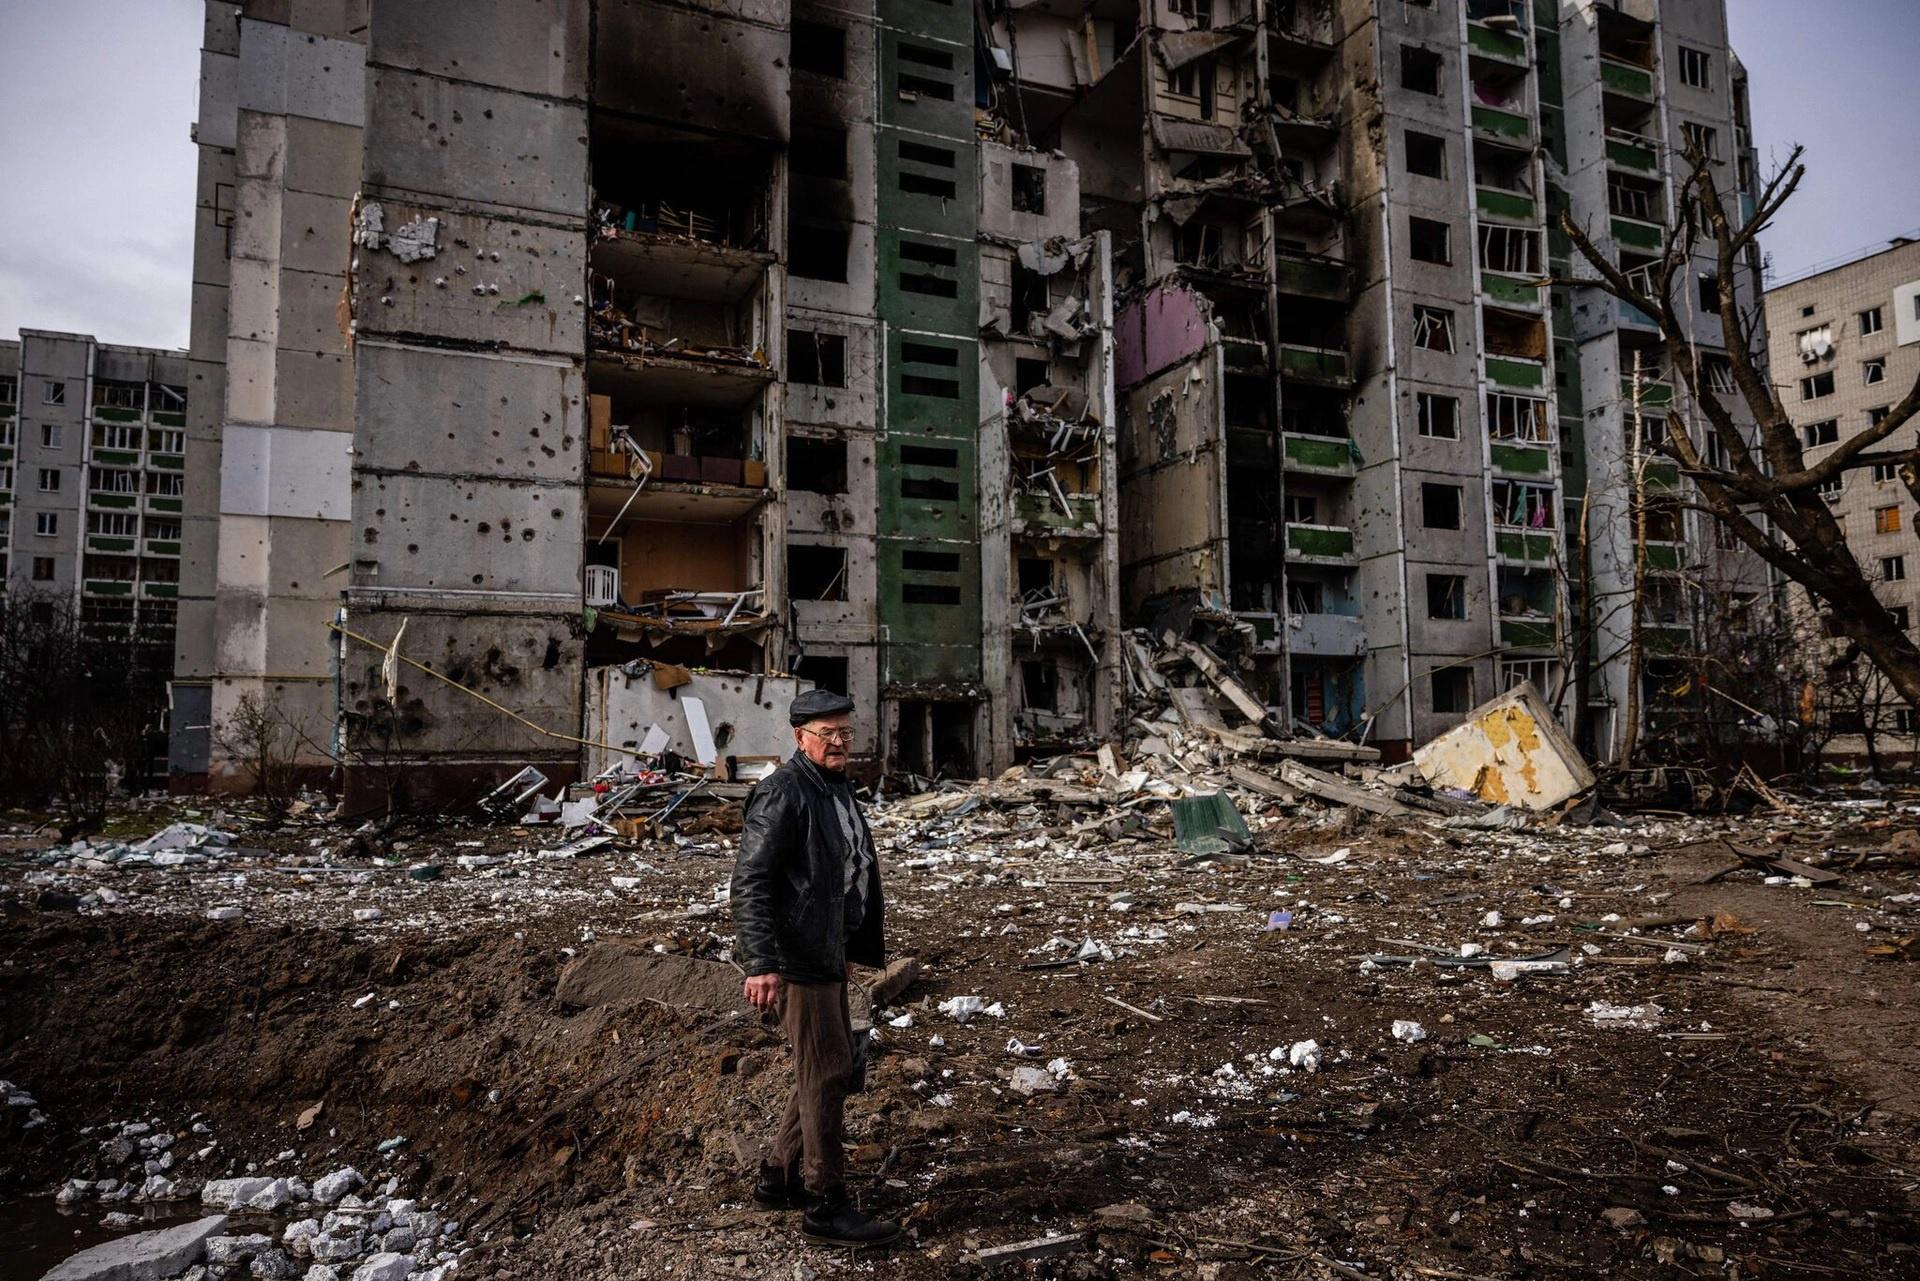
pixel 36 1233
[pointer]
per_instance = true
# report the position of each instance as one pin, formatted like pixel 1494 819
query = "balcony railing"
pixel 1496 202
pixel 1631 151
pixel 1516 371
pixel 1506 46
pixel 1521 459
pixel 1324 544
pixel 1524 546
pixel 1625 78
pixel 1507 126
pixel 1323 455
pixel 1638 233
pixel 1313 364
pixel 1526 632
pixel 1513 291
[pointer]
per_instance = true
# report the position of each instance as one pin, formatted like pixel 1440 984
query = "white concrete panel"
pixel 287 72
pixel 1906 313
pixel 219 95
pixel 286 471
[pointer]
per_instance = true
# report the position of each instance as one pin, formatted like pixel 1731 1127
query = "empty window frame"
pixel 166 484
pixel 53 393
pixel 826 671
pixel 815 572
pixel 9 390
pixel 1520 418
pixel 1446 596
pixel 1704 137
pixel 1512 250
pixel 1893 569
pixel 163 528
pixel 1886 520
pixel 1709 286
pixel 929 269
pixel 167 440
pixel 1429 241
pixel 1873 371
pixel 1884 472
pixel 1439 505
pixel 816 359
pixel 944 384
pixel 1302 509
pixel 1518 504
pixel 53 436
pixel 820 49
pixel 114 393
pixel 816 466
pixel 1028 189
pixel 819 151
pixel 1627 198
pixel 1452 690
pixel 43 569
pixel 1439 416
pixel 1719 373
pixel 1426 155
pixel 924 71
pixel 931 488
pixel 46 524
pixel 921 184
pixel 1872 321
pixel 165 398
pixel 1815 343
pixel 1816 386
pixel 50 480
pixel 818 251
pixel 1420 69
pixel 1696 68
pixel 1433 328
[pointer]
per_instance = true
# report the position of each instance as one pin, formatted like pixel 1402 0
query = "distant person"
pixel 806 901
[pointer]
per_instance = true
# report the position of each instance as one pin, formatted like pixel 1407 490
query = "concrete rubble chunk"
pixel 145 1256
pixel 321 1272
pixel 385 1266
pixel 1509 751
pixel 232 1194
pixel 330 1188
pixel 274 1265
pixel 229 1250
pixel 334 1247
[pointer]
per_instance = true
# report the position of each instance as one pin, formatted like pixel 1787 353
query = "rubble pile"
pixel 1199 998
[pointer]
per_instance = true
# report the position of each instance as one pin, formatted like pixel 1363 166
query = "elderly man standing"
pixel 806 901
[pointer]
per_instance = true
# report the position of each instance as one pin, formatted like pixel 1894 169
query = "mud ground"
pixel 1761 1123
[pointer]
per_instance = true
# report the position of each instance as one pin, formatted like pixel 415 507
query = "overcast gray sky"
pixel 97 96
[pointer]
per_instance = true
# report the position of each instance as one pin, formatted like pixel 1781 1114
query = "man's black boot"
pixel 833 1219
pixel 779 1187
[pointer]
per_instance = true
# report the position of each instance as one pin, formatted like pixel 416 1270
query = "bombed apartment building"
pixel 1361 438
pixel 525 364
pixel 916 350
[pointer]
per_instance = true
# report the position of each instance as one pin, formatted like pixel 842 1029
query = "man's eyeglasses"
pixel 842 736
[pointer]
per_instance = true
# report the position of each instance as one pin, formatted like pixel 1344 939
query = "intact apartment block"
pixel 915 349
pixel 93 476
pixel 1845 347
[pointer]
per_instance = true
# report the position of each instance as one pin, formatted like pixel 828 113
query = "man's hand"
pixel 763 991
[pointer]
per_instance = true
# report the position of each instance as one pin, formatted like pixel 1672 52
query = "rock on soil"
pixel 145 1256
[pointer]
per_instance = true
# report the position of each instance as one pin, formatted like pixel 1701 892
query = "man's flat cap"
pixel 815 703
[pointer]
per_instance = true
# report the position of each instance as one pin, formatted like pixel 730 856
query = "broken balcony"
pixel 682 581
pixel 1497 29
pixel 1300 33
pixel 1498 94
pixel 1525 521
pixel 1516 348
pixel 1527 607
pixel 1313 346
pixel 1320 545
pixel 1323 617
pixel 1300 274
pixel 1056 495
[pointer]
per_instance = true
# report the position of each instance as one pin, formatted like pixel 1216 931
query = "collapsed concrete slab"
pixel 1509 751
pixel 144 1256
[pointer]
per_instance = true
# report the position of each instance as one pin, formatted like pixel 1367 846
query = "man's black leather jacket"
pixel 789 906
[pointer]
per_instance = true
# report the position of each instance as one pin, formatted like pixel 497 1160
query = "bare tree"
pixel 1763 489
pixel 258 734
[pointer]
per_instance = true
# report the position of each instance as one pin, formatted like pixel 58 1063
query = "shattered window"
pixel 816 573
pixel 1446 596
pixel 1871 322
pixel 816 359
pixel 53 393
pixel 1453 690
pixel 820 49
pixel 1819 385
pixel 1519 504
pixel 1433 328
pixel 1893 569
pixel 1439 505
pixel 1696 68
pixel 816 466
pixel 1029 189
pixel 1522 418
pixel 1419 69
pixel 1426 155
pixel 9 390
pixel 1428 241
pixel 818 252
pixel 1719 373
pixel 1512 250
pixel 1873 371
pixel 1439 416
